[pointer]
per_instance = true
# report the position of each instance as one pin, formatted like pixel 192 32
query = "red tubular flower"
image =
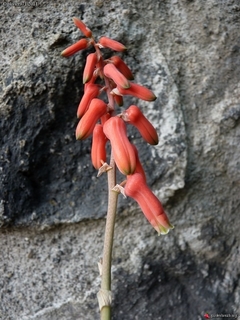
pixel 85 30
pixel 74 48
pixel 123 152
pixel 137 189
pixel 96 110
pixel 122 67
pixel 134 116
pixel 111 44
pixel 112 72
pixel 89 67
pixel 138 91
pixel 91 91
pixel 98 151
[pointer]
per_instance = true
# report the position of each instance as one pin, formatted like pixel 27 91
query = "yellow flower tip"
pixel 63 54
pixel 162 230
pixel 85 80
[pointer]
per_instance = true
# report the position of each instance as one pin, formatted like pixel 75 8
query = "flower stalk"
pixel 105 309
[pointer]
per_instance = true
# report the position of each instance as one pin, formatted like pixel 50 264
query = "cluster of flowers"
pixel 99 119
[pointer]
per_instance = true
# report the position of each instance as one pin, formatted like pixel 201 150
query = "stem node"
pixel 104 298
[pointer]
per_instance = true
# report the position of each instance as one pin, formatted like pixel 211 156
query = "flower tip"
pixel 155 142
pixel 162 230
pixel 63 53
pixel 154 97
pixel 85 80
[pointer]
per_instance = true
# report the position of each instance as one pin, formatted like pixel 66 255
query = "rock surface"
pixel 52 206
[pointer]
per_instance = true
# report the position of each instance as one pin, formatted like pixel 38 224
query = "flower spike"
pixel 137 189
pixel 85 30
pixel 106 42
pixel 138 91
pixel 97 109
pixel 134 116
pixel 123 152
pixel 74 48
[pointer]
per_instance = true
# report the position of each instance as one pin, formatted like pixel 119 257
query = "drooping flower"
pixel 106 42
pixel 113 73
pixel 74 48
pixel 134 116
pixel 137 189
pixel 123 152
pixel 98 151
pixel 96 110
pixel 137 91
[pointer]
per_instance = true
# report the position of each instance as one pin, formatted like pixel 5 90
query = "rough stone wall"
pixel 52 206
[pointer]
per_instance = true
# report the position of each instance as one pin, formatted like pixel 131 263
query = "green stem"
pixel 108 240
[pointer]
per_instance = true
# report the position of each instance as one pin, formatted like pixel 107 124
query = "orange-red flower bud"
pixel 137 189
pixel 89 67
pixel 134 116
pixel 111 44
pixel 85 30
pixel 123 152
pixel 138 91
pixel 98 152
pixel 91 91
pixel 122 67
pixel 96 110
pixel 112 72
pixel 74 48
